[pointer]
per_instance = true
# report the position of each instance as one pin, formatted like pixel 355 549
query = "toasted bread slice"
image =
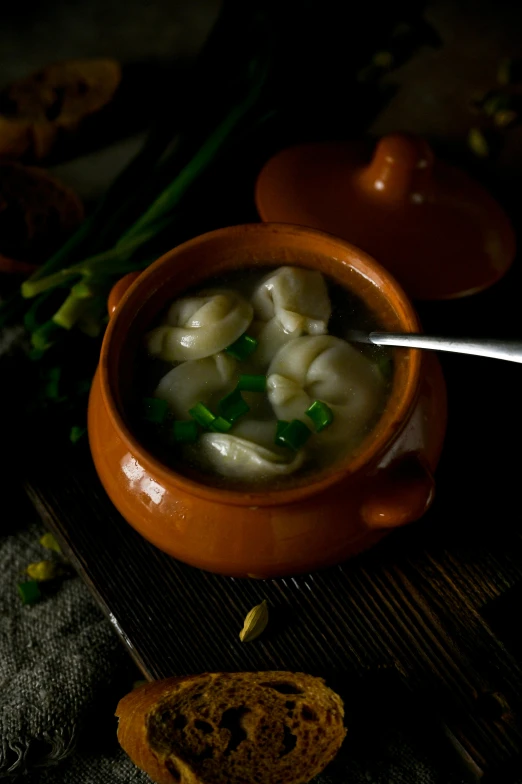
pixel 46 109
pixel 37 213
pixel 232 728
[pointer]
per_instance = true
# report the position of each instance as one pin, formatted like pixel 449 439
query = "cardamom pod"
pixel 478 143
pixel 255 622
pixel 44 570
pixel 505 118
pixel 49 542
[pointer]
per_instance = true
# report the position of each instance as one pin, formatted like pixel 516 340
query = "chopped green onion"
pixel 83 290
pixel 43 337
pixel 70 311
pixel 232 406
pixel 320 414
pixel 202 415
pixel 294 435
pixel 29 592
pixel 248 383
pixel 35 354
pixel 76 433
pixel 52 377
pixel 154 410
pixel 242 348
pixel 385 365
pixel 221 425
pixel 49 542
pixel 185 432
pixel 282 424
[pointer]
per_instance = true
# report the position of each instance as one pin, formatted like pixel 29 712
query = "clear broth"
pixel 349 313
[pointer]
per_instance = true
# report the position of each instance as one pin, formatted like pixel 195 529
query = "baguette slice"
pixel 232 728
pixel 40 113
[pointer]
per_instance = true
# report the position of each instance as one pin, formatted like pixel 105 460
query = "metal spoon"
pixel 482 347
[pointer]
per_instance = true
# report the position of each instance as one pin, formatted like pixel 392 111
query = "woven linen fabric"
pixel 60 663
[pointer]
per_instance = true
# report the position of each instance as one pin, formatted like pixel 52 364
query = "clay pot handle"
pixel 119 289
pixel 400 170
pixel 399 494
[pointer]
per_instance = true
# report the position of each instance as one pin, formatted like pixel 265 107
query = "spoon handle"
pixel 482 347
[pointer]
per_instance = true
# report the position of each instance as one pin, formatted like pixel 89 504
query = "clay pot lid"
pixel 435 229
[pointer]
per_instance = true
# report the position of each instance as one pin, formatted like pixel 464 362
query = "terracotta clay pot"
pixel 438 231
pixel 321 521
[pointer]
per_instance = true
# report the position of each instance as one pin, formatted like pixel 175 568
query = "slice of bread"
pixel 46 109
pixel 232 728
pixel 37 213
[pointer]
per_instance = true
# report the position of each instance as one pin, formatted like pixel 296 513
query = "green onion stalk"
pixel 119 259
pixel 248 94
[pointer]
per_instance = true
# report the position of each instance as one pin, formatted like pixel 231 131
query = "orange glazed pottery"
pixel 267 533
pixel 434 228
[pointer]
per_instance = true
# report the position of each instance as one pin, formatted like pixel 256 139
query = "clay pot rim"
pixel 367 268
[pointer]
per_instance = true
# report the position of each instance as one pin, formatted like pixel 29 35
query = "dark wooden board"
pixel 427 615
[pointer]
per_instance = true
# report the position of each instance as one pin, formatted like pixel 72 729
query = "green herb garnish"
pixel 202 415
pixel 320 414
pixel 249 383
pixel 385 365
pixel 294 435
pixel 155 410
pixel 76 433
pixel 233 406
pixel 221 425
pixel 185 432
pixel 242 348
pixel 282 424
pixel 29 592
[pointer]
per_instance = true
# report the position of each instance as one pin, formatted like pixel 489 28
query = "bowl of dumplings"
pixel 236 424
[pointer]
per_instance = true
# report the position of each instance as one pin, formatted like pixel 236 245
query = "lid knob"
pixel 400 170
pixel 431 225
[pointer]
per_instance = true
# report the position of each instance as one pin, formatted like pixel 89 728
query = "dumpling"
pixel 240 458
pixel 297 298
pixel 329 369
pixel 261 431
pixel 271 336
pixel 197 380
pixel 197 327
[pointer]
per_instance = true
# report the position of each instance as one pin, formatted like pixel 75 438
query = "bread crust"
pixel 142 711
pixel 50 107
